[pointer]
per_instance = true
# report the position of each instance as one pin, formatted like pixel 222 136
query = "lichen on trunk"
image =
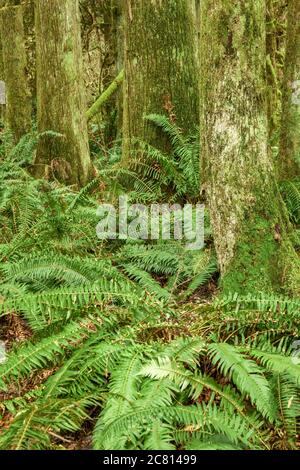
pixel 160 68
pixel 18 106
pixel 275 34
pixel 289 155
pixel 61 98
pixel 250 225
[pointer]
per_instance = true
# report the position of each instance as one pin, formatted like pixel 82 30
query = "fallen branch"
pixel 95 108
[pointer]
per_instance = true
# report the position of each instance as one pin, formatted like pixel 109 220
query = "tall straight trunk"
pixel 2 84
pixel 112 34
pixel 250 225
pixel 289 163
pixel 160 67
pixel 276 29
pixel 101 40
pixel 18 107
pixel 61 99
pixel 28 13
pixel 119 26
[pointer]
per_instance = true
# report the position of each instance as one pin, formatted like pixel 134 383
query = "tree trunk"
pixel 18 107
pixel 110 67
pixel 276 30
pixel 250 225
pixel 61 99
pixel 160 67
pixel 101 38
pixel 289 163
pixel 28 13
pixel 2 84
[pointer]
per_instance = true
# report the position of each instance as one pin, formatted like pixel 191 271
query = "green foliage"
pixel 189 393
pixel 166 177
pixel 184 271
pixel 291 194
pixel 122 343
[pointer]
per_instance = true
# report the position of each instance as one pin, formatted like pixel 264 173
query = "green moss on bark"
pixel 251 229
pixel 289 163
pixel 160 68
pixel 18 107
pixel 276 12
pixel 61 98
pixel 2 106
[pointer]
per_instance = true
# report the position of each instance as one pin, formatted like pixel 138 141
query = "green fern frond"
pixel 146 281
pixel 279 364
pixel 201 420
pixel 245 374
pixel 291 194
pixel 168 128
pixel 33 428
pixel 123 391
pixel 160 437
pixel 32 357
pixel 287 397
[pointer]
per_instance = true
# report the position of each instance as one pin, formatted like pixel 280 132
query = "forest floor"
pixel 131 344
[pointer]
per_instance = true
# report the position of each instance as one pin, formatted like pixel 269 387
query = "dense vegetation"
pixel 143 344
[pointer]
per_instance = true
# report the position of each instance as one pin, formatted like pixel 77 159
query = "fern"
pixel 287 398
pixel 174 176
pixel 117 342
pixel 245 374
pixel 279 364
pixel 32 357
pixel 291 194
pixel 32 428
pixel 123 391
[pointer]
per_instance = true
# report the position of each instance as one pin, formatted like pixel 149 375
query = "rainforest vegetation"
pixel 143 342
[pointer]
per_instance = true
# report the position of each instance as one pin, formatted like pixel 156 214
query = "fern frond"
pixel 200 420
pixel 291 194
pixel 146 281
pixel 245 374
pixel 160 437
pixel 279 364
pixel 32 428
pixel 50 350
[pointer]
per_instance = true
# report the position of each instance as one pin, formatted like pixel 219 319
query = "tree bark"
pixel 251 229
pixel 61 99
pixel 276 30
pixel 2 79
pixel 28 14
pixel 18 107
pixel 289 163
pixel 101 33
pixel 111 68
pixel 160 68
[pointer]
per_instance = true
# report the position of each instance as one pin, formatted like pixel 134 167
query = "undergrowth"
pixel 129 342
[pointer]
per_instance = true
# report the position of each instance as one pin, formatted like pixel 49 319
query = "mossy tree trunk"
pixel 61 103
pixel 119 28
pixel 250 226
pixel 2 79
pixel 110 67
pixel 276 30
pixel 28 11
pixel 101 33
pixel 18 106
pixel 160 67
pixel 289 163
